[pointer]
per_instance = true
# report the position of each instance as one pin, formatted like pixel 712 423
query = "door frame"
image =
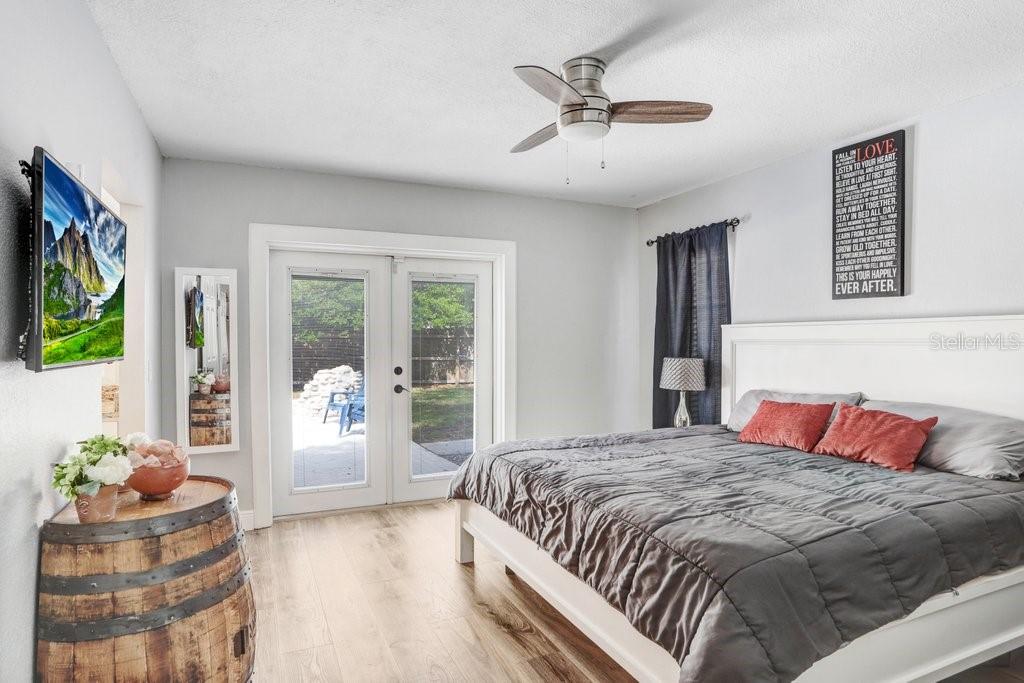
pixel 265 237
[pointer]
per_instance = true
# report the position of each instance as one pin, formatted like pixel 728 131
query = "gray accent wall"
pixel 576 281
pixel 965 226
pixel 61 90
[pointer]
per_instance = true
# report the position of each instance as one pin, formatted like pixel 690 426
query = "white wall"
pixel 61 90
pixel 965 246
pixel 577 278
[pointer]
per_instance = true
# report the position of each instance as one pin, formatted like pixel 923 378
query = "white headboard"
pixel 980 367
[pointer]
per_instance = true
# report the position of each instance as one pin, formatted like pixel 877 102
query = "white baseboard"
pixel 248 519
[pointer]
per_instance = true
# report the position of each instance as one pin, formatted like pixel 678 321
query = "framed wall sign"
pixel 868 217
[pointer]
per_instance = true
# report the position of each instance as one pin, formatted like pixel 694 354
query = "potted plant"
pixel 204 381
pixel 90 474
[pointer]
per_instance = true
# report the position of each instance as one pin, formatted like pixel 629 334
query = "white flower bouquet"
pixel 204 381
pixel 90 464
pixel 90 474
pixel 205 377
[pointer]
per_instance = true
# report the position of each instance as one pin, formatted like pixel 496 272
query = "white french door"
pixel 328 312
pixel 380 376
pixel 441 345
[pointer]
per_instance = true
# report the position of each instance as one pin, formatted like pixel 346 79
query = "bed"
pixel 751 562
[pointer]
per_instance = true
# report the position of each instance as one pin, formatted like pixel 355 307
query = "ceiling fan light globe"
pixel 583 131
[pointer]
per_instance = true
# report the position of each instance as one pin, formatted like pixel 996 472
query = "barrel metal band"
pixel 112 532
pixel 73 632
pixel 109 583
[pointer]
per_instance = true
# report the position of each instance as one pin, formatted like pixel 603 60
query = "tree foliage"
pixel 320 304
pixel 441 305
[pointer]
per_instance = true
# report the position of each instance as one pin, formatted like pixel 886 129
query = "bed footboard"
pixel 947 634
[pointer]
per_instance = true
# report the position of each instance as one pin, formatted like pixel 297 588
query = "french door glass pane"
pixel 328 344
pixel 443 385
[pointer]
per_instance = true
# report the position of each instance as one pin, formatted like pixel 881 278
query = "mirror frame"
pixel 182 385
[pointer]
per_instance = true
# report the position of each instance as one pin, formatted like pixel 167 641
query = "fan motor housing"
pixel 580 124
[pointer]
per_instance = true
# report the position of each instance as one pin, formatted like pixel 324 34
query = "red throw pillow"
pixel 795 425
pixel 875 436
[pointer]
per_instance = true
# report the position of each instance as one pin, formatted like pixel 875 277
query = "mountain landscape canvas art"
pixel 83 273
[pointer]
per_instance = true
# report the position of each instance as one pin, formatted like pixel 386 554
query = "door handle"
pixel 399 389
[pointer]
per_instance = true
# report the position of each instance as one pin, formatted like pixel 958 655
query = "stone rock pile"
pixel 315 393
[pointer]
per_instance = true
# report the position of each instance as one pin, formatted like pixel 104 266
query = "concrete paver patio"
pixel 323 458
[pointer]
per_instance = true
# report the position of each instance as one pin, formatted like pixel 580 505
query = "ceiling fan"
pixel 585 111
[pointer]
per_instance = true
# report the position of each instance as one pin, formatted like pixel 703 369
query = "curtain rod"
pixel 732 223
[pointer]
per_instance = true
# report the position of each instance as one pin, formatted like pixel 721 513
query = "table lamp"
pixel 682 375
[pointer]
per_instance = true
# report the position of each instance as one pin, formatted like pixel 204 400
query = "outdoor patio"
pixel 323 458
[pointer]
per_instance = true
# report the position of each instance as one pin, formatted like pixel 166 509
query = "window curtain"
pixel 693 304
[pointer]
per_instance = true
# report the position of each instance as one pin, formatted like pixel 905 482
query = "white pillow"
pixel 748 403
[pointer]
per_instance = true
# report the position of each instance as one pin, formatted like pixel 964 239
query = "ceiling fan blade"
pixel 659 111
pixel 549 85
pixel 541 136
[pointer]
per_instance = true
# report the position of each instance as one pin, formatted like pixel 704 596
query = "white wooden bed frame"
pixel 982 368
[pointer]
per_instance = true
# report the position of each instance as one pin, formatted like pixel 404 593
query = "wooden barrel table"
pixel 209 419
pixel 161 593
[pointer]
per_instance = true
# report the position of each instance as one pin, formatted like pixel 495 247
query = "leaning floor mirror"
pixel 206 349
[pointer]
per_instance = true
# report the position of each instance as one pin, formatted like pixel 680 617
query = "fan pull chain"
pixel 567 163
pixel 602 154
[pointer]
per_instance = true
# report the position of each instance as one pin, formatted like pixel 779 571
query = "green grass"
pixel 442 413
pixel 105 339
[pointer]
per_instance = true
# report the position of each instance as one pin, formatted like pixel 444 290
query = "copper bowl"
pixel 158 483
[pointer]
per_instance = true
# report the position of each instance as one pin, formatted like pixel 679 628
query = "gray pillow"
pixel 748 403
pixel 966 441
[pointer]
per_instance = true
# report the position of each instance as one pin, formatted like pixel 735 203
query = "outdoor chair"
pixel 335 403
pixel 351 407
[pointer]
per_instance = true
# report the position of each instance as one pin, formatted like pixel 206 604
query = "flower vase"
pixel 205 388
pixel 99 508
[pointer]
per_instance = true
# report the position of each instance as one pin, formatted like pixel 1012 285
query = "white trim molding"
pixel 264 237
pixel 247 520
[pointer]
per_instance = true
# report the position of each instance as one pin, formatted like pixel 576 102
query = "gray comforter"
pixel 746 562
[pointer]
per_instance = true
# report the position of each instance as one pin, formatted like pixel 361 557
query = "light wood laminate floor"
pixel 377 596
pixel 1008 668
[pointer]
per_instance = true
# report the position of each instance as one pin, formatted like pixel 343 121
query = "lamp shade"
pixel 682 374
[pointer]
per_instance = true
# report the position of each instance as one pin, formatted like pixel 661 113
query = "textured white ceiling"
pixel 423 91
